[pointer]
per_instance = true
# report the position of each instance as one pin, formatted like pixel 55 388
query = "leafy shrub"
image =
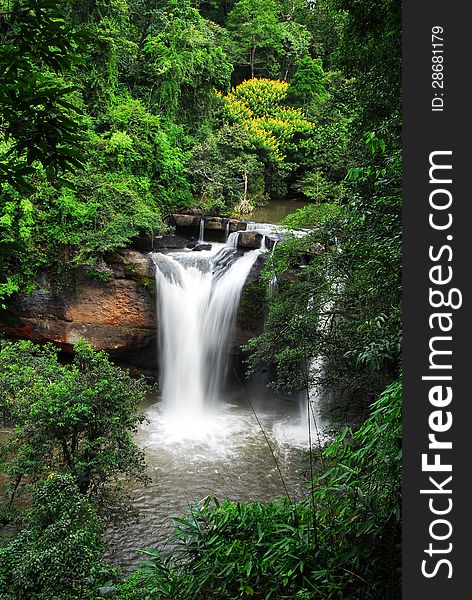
pixel 58 552
pixel 77 418
pixel 311 215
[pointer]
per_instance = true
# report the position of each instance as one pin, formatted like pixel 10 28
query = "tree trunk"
pixel 252 58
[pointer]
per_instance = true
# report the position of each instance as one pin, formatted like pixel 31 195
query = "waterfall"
pixel 198 296
pixel 311 401
pixel 232 240
pixel 201 235
pixel 273 282
pixel 227 230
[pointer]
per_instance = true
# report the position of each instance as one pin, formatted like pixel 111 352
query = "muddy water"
pixel 274 211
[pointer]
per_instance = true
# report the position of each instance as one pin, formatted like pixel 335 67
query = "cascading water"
pixel 201 234
pixel 273 282
pixel 198 296
pixel 312 400
pixel 232 240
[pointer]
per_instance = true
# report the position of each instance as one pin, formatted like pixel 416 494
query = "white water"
pixel 226 456
pixel 311 404
pixel 232 239
pixel 198 296
pixel 201 235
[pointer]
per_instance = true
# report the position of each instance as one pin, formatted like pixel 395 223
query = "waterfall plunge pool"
pixel 224 454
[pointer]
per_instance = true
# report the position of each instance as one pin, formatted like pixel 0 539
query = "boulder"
pixel 235 225
pixel 249 239
pixel 136 264
pixel 170 241
pixel 186 220
pixel 215 223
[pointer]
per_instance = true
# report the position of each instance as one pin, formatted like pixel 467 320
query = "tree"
pixel 181 62
pixel 227 170
pixel 58 551
pixel 307 83
pixel 295 43
pixel 370 50
pixel 39 117
pixel 255 36
pixel 76 419
pixel 258 104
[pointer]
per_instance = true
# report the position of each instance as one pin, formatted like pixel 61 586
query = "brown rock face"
pixel 186 220
pixel 249 239
pixel 116 314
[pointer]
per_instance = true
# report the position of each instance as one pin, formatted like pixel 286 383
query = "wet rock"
pixel 249 239
pixel 136 263
pixel 251 311
pixel 170 241
pixel 186 220
pixel 215 223
pixel 235 225
pixel 256 269
pixel 199 247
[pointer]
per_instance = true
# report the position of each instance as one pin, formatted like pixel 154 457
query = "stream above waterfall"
pixel 275 210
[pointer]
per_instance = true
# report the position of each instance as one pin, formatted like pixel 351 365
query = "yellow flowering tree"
pixel 259 106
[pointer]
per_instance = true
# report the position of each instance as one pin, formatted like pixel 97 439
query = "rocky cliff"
pixel 117 311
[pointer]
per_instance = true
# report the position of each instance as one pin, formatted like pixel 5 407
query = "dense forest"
pixel 115 114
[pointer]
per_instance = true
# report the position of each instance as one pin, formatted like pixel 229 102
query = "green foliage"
pixel 39 118
pixel 375 260
pixel 311 215
pixel 219 165
pixel 362 282
pixel 370 50
pixel 307 83
pixel 258 105
pixel 267 38
pixel 76 419
pixel 57 553
pixel 232 551
pixel 255 36
pixel 134 172
pixel 317 187
pixel 132 83
pixel 291 334
pixel 184 62
pixel 358 500
pixel 324 159
pixel 104 25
